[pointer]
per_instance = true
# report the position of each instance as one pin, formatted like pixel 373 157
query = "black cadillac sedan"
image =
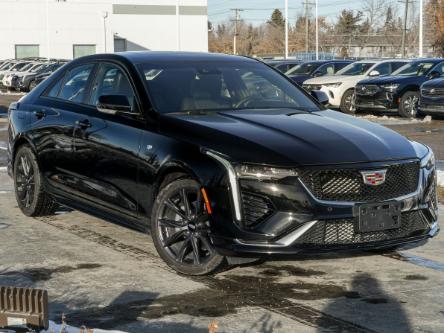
pixel 216 156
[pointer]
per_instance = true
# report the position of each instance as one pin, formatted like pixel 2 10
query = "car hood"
pixel 300 78
pixel 393 79
pixel 335 78
pixel 435 83
pixel 288 137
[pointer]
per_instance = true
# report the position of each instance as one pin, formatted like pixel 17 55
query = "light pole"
pixel 48 39
pixel 105 16
pixel 286 29
pixel 317 30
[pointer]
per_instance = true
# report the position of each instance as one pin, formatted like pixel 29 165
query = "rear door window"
pixel 73 85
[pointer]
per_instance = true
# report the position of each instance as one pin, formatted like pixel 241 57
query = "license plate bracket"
pixel 379 216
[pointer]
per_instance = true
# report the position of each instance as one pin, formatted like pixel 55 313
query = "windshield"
pixel 306 68
pixel 414 69
pixel 212 86
pixel 356 68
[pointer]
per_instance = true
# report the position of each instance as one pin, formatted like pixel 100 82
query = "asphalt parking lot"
pixel 107 276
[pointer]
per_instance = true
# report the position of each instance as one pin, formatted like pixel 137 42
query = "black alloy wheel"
pixel 31 198
pixel 180 229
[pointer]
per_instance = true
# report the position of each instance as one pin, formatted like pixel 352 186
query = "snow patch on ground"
pixel 11 93
pixel 59 328
pixel 3 169
pixel 387 120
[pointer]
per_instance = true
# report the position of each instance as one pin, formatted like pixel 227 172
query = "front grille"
pixel 366 90
pixel 255 209
pixel 348 184
pixel 432 92
pixel 343 231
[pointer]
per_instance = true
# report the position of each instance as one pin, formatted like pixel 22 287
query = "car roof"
pixel 167 56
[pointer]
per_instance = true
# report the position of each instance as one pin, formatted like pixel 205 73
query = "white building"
pixel 67 29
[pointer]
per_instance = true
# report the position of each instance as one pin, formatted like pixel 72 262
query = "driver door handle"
pixel 83 124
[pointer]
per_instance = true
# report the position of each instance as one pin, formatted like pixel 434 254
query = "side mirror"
pixel 374 73
pixel 113 104
pixel 434 75
pixel 320 96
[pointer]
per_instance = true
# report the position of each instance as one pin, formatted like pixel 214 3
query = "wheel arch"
pixel 19 142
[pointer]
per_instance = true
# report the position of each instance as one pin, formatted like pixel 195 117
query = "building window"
pixel 120 44
pixel 83 50
pixel 25 51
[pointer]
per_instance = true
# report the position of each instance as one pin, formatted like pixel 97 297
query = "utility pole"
pixel 307 8
pixel 236 32
pixel 421 28
pixel 404 30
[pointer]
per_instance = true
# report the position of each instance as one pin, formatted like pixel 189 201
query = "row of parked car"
pixel 410 87
pixel 25 74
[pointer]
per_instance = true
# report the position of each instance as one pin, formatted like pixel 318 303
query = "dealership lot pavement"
pixel 108 276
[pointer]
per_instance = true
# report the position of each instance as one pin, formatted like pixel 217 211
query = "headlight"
pixel 332 85
pixel 263 172
pixel 390 87
pixel 428 161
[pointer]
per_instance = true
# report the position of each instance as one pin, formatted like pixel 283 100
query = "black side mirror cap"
pixel 113 104
pixel 320 96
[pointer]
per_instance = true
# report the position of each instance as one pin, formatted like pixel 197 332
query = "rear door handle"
pixel 83 124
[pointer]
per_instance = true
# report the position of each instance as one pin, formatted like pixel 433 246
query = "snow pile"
pixel 440 174
pixel 396 120
pixel 63 328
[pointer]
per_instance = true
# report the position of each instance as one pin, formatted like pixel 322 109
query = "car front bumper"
pixel 316 225
pixel 381 101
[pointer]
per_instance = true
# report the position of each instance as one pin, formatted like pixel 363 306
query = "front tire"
pixel 29 192
pixel 348 104
pixel 180 229
pixel 408 107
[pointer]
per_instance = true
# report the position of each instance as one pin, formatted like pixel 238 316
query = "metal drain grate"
pixel 24 307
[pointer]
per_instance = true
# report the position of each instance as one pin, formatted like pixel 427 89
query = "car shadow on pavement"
pixel 375 309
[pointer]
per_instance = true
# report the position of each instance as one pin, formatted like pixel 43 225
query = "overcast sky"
pixel 259 11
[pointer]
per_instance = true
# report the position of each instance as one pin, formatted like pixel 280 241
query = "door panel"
pixel 106 163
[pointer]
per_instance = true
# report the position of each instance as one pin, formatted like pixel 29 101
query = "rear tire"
pixel 29 192
pixel 180 229
pixel 408 107
pixel 348 102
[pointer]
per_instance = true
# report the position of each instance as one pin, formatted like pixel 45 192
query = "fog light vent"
pixel 255 209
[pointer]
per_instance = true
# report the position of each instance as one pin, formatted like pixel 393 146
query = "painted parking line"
pixel 416 260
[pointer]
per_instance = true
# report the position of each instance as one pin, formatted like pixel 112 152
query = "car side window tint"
pixel 397 65
pixel 439 68
pixel 75 85
pixel 54 91
pixel 383 69
pixel 340 65
pixel 111 80
pixel 327 69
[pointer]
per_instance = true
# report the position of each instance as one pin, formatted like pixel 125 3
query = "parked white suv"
pixel 340 87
